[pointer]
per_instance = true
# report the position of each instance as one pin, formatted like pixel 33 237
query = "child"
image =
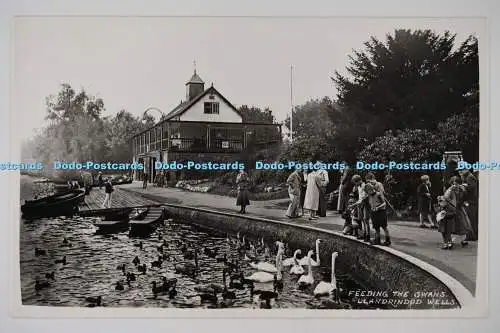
pixel 363 209
pixel 351 225
pixel 378 214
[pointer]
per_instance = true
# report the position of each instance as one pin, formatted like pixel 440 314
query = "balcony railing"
pixel 199 145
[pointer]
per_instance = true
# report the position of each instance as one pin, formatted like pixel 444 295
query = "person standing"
pixel 370 178
pixel 242 181
pixel 303 188
pixel 424 201
pixel 345 188
pixel 363 206
pixel 378 206
pixel 469 182
pixel 145 181
pixel 108 189
pixel 311 200
pixel 100 181
pixel 452 219
pixel 324 180
pixel 293 183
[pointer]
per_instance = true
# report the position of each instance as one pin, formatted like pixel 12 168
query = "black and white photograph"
pixel 241 163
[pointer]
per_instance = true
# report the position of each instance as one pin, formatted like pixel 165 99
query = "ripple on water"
pixel 92 261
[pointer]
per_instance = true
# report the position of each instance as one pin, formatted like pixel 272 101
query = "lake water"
pixel 92 260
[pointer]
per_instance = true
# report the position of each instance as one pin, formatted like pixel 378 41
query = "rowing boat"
pixel 53 205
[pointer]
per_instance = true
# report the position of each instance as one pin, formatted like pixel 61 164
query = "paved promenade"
pixel 407 237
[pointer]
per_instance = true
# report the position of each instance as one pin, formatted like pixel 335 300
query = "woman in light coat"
pixel 311 201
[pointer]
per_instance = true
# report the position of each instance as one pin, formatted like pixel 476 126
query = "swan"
pixel 268 267
pixel 291 261
pixel 304 261
pixel 307 279
pixel 326 288
pixel 266 276
pixel 264 267
pixel 296 268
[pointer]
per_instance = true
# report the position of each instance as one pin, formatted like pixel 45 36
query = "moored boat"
pixel 154 216
pixel 112 224
pixel 53 205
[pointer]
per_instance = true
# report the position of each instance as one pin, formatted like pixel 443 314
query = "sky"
pixel 137 63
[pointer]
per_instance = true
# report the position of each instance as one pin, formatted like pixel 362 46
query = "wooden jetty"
pixel 122 204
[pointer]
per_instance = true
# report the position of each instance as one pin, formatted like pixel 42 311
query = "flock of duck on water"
pixel 264 283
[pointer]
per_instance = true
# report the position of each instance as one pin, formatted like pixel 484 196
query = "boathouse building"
pixel 204 127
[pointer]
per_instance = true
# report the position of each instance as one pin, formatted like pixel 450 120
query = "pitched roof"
pixel 184 106
pixel 195 79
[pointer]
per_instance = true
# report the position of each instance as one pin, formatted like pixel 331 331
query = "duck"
pixel 39 285
pixel 50 275
pixel 119 285
pixel 210 253
pixel 156 289
pixel 140 245
pixel 172 292
pixel 189 254
pixel 222 258
pixel 40 252
pixel 307 279
pixel 94 300
pixel 136 261
pixel 304 261
pixel 167 284
pixel 188 268
pixel 61 261
pixel 131 276
pixel 236 281
pixel 121 267
pixel 160 248
pixel 327 288
pixel 226 294
pixel 142 268
pixel 65 242
pixel 157 263
pixel 232 266
pixel 293 260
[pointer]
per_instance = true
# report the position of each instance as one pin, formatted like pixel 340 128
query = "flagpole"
pixel 291 103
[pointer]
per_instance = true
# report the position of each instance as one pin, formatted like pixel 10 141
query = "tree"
pixel 314 125
pixel 68 104
pixel 414 80
pixel 119 130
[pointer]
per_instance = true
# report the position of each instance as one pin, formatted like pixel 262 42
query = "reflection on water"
pixel 93 260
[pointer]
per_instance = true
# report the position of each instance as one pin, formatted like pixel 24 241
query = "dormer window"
pixel 211 108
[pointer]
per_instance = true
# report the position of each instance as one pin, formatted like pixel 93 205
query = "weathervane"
pixel 194 65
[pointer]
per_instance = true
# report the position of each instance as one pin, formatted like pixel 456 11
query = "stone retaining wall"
pixel 376 268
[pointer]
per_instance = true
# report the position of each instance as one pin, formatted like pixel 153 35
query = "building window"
pixel 211 108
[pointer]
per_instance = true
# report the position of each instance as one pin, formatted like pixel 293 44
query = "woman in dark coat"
pixel 303 187
pixel 424 202
pixel 243 181
pixel 453 219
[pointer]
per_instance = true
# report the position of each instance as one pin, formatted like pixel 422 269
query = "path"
pixel 424 244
